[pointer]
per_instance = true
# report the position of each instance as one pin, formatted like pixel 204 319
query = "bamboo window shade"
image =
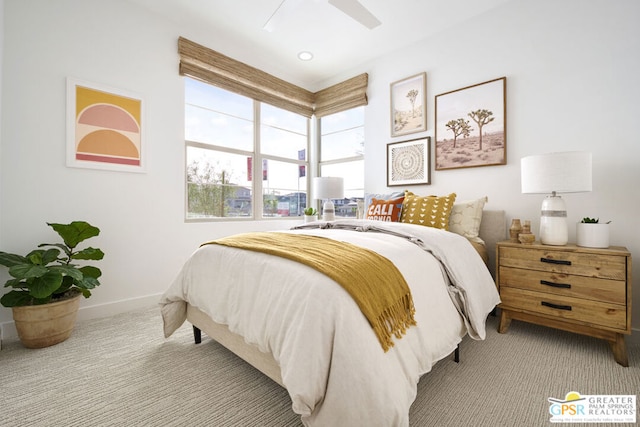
pixel 205 64
pixel 342 96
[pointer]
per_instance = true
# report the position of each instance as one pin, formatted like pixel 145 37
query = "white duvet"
pixel 331 362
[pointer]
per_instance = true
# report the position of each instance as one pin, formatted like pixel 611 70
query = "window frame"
pixel 320 163
pixel 257 187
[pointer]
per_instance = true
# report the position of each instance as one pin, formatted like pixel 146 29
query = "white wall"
pixel 143 233
pixel 1 56
pixel 569 65
pixel 572 68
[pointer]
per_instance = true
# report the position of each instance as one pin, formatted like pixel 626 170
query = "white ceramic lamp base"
pixel 328 211
pixel 553 222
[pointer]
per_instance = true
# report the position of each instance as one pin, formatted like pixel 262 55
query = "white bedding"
pixel 332 363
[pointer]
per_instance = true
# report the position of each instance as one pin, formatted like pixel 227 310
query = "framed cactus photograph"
pixel 409 105
pixel 471 126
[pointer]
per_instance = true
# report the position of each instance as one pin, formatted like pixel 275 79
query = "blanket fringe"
pixel 395 321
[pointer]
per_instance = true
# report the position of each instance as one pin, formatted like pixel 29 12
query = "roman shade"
pixel 206 64
pixel 342 96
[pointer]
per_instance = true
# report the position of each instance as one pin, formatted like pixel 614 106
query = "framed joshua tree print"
pixel 408 105
pixel 471 126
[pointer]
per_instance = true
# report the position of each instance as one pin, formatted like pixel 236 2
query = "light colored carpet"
pixel 120 371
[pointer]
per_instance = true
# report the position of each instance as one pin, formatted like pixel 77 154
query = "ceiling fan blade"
pixel 286 10
pixel 357 11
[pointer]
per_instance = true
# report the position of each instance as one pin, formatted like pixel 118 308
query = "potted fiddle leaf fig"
pixel 46 284
pixel 591 233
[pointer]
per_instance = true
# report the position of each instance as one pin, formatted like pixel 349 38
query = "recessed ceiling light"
pixel 305 56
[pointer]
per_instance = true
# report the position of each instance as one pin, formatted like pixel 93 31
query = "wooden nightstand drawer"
pixel 605 290
pixel 590 312
pixel 577 289
pixel 566 262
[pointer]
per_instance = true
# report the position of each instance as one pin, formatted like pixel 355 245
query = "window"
pixel 342 154
pixel 234 156
pixel 237 148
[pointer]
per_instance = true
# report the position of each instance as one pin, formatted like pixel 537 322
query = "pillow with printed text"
pixel 385 210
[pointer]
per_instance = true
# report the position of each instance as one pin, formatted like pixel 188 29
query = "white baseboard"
pixel 8 329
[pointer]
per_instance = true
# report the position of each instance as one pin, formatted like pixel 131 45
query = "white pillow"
pixel 466 217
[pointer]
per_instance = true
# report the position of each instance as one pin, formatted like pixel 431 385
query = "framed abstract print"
pixel 408 162
pixel 105 128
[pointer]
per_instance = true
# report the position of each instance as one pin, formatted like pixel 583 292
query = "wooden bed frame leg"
pixel 197 335
pixel 456 354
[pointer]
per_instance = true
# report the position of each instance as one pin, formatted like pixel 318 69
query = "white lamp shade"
pixel 328 187
pixel 568 172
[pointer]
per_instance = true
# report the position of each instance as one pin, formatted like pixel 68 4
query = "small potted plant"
pixel 46 286
pixel 310 214
pixel 591 233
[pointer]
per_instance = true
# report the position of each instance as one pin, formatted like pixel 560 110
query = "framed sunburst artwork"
pixel 408 162
pixel 104 128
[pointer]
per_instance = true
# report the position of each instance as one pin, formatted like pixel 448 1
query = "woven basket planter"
pixel 47 324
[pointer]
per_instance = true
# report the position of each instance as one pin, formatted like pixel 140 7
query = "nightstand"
pixel 582 290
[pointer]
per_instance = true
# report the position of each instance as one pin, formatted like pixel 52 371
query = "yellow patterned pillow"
pixel 430 211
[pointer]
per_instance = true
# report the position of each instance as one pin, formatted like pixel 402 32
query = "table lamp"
pixel 568 172
pixel 327 188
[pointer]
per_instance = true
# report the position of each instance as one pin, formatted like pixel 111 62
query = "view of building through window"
pixel 238 148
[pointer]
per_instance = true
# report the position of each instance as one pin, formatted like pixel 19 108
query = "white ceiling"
pixel 338 42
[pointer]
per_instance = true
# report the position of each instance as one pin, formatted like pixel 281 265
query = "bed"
pixel 302 330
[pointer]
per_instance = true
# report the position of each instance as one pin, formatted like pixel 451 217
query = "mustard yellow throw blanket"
pixel 372 280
